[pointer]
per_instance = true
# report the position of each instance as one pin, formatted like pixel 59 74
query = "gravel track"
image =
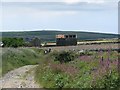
pixel 22 77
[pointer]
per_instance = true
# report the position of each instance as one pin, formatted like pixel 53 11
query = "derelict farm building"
pixel 66 40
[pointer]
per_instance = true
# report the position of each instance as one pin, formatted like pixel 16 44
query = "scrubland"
pixel 79 70
pixel 66 69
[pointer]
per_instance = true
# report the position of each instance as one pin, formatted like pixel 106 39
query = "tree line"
pixel 20 42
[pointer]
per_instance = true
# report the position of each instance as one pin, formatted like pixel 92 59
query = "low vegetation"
pixel 64 56
pixel 13 42
pixel 88 70
pixel 66 69
pixel 16 57
pixel 20 42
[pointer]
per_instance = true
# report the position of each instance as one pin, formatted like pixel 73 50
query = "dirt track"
pixel 22 77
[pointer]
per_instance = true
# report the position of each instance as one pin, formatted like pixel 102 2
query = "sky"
pixel 68 15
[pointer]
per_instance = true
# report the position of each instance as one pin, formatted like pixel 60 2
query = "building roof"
pixel 64 35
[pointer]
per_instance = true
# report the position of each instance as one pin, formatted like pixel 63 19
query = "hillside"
pixel 50 35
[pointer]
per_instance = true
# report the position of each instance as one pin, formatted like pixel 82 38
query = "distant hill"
pixel 50 35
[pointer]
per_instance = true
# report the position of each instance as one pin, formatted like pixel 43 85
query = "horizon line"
pixel 56 30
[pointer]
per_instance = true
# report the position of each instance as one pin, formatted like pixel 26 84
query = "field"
pixel 85 47
pixel 82 66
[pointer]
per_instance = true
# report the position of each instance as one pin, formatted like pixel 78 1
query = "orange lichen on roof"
pixel 60 36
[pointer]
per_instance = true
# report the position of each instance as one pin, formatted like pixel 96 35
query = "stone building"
pixel 66 40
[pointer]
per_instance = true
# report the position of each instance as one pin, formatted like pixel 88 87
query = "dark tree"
pixel 36 42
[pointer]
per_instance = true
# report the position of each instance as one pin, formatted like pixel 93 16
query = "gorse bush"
pixel 64 56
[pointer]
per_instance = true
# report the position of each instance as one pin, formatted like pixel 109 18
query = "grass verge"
pixel 16 57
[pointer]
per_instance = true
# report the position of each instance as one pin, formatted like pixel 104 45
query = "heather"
pixel 66 69
pixel 73 69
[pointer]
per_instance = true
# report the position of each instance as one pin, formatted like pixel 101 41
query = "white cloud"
pixel 71 1
pixel 30 0
pixel 66 1
pixel 88 1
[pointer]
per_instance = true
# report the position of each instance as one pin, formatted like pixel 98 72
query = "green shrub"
pixel 108 81
pixel 13 42
pixel 59 81
pixel 64 56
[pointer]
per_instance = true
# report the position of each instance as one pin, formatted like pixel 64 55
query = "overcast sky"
pixel 80 15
